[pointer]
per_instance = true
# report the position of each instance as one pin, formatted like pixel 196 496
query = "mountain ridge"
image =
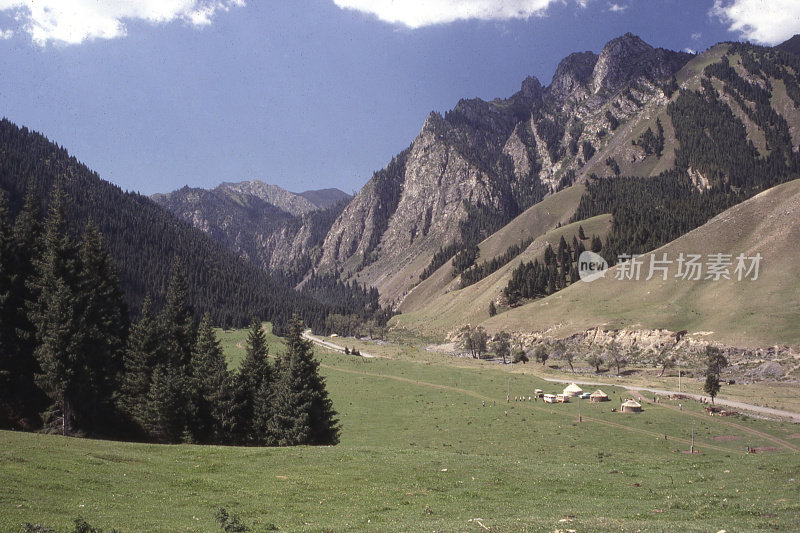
pixel 631 109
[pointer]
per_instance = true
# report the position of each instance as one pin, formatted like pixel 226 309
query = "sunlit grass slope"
pixel 760 312
pixel 452 307
pixel 534 222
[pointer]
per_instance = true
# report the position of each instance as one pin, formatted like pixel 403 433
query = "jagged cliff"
pixel 483 163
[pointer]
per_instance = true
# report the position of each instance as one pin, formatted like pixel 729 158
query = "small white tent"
pixel 572 390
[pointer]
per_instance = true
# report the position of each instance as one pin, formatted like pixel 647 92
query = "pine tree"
pixel 8 365
pixel 177 318
pixel 104 327
pixel 211 387
pixel 303 412
pixel 57 322
pixel 141 353
pixel 168 403
pixel 254 388
pixel 20 332
pixel 167 407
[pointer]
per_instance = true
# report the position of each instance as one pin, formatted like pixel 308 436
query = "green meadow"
pixel 428 445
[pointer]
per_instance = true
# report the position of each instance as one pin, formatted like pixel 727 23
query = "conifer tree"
pixel 168 401
pixel 254 389
pixel 177 318
pixel 104 326
pixel 211 387
pixel 7 336
pixel 141 354
pixel 303 412
pixel 167 406
pixel 56 319
pixel 20 334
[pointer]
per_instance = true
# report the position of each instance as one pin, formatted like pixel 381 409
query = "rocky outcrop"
pixel 648 347
pixel 573 77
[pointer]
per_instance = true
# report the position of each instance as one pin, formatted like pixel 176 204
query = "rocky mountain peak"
pixel 288 201
pixel 434 122
pixel 531 88
pixel 628 58
pixel 573 75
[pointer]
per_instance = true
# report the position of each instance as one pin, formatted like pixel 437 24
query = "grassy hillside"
pixel 450 307
pixel 419 452
pixel 760 312
pixel 532 223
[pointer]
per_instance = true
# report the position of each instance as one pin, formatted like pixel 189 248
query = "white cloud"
pixel 763 22
pixel 6 34
pixel 696 36
pixel 616 8
pixel 419 13
pixel 690 50
pixel 76 21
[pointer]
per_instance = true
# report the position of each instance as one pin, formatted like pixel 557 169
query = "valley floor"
pixel 428 445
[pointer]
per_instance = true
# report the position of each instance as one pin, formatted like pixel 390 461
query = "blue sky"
pixel 158 94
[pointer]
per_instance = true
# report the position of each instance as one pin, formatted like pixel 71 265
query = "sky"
pixel 308 94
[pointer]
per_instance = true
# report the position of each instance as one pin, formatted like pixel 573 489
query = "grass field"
pixel 421 452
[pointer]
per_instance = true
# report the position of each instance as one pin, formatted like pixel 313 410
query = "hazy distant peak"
pixel 277 196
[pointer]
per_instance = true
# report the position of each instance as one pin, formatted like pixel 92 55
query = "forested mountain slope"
pixel 144 239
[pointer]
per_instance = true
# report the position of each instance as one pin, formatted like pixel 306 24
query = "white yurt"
pixel 631 406
pixel 598 396
pixel 572 390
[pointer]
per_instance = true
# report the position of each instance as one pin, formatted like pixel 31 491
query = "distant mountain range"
pixel 257 220
pixel 629 110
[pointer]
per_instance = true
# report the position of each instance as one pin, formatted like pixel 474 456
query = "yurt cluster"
pixel 574 391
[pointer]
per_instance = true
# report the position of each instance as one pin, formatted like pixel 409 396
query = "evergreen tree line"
pixel 337 298
pixel 650 212
pixel 70 362
pixel 143 239
pixel 714 142
pixel 476 273
pixel 774 126
pixel 440 257
pixel 768 62
pixel 558 270
pixel 175 385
